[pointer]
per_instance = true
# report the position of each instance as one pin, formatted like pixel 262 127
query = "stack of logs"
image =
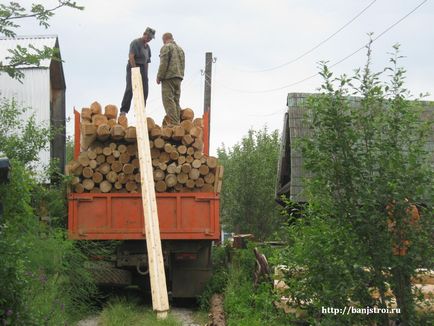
pixel 108 162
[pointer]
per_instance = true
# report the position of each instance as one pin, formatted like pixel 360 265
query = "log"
pixel 187 139
pixel 111 111
pixel 88 129
pixel 156 132
pixel 113 146
pixel 207 188
pixel 211 162
pixel 209 178
pixel 182 178
pixel 95 191
pixel 199 183
pixel 100 159
pixel 198 122
pixel 124 158
pixel 164 157
pixel 194 174
pixel 104 168
pixel 88 184
pixel 78 188
pixel 168 148
pixel 111 122
pixel 155 162
pixel 105 186
pixel 75 180
pixel 196 164
pixel 97 177
pixel 86 113
pixel 91 154
pixel 151 144
pixel 155 153
pixel 182 149
pixel 86 120
pixel 87 172
pixel 107 151
pixel 190 184
pixel 131 135
pixel 138 178
pixel 190 151
pixel 171 168
pixel 166 133
pixel 170 180
pixel 187 114
pixel 83 159
pixel 181 160
pixel 203 169
pixel 73 165
pixel 123 121
pixel 160 186
pixel 178 169
pixel 196 132
pixel 158 175
pixel 99 119
pixel 189 159
pixel 77 171
pixel 178 133
pixel 174 155
pixel 187 125
pixel 203 159
pixel 103 132
pixel 136 163
pixel 162 166
pixel 159 143
pixel 118 185
pixel 116 153
pixel 112 177
pixel 96 108
pixel 118 132
pixel 122 148
pixel 150 123
pixel 128 168
pixel 97 147
pixel 122 178
pixel 131 186
pixel 117 166
pixel 179 187
pixel 198 155
pixel 198 144
pixel 110 159
pixel 186 168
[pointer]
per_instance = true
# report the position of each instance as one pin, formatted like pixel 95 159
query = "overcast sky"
pixel 245 37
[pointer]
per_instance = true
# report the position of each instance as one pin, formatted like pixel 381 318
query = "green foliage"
pixel 369 164
pixel 247 197
pixel 244 304
pixel 21 141
pixel 119 312
pixel 24 56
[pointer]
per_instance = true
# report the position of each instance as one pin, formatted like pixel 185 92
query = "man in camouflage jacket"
pixel 170 74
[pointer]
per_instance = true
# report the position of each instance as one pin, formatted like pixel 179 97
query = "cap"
pixel 150 32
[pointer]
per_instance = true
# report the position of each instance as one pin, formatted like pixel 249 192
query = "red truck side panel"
pixel 182 216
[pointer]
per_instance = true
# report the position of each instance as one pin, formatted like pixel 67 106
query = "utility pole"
pixel 207 96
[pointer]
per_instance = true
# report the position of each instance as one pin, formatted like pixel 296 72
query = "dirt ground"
pixel 217 312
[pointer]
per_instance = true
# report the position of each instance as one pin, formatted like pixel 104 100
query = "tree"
pixel 370 173
pixel 248 204
pixel 20 57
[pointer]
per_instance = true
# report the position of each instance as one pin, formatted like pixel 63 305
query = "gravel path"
pixel 184 315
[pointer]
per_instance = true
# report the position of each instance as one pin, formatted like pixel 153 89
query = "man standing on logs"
pixel 170 74
pixel 139 56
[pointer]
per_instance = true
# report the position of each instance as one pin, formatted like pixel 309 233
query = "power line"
pixel 333 65
pixel 312 49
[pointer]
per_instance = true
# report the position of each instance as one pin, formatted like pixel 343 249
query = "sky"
pixel 248 39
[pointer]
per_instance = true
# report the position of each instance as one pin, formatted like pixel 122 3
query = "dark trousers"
pixel 128 95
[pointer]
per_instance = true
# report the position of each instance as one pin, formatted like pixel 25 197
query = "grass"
pixel 119 312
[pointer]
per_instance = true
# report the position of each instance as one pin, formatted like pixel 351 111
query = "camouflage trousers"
pixel 171 92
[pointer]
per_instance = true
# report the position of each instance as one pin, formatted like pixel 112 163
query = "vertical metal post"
pixel 207 98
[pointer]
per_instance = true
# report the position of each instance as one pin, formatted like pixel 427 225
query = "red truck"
pixel 189 223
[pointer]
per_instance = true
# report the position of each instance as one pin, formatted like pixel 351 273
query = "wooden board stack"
pixel 108 162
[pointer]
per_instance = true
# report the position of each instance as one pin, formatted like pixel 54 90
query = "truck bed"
pixel 117 216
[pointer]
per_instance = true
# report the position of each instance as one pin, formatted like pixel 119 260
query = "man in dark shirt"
pixel 139 56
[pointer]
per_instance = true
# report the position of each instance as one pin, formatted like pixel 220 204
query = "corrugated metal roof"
pixel 38 41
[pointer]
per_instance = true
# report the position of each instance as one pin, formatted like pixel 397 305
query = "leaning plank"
pixel 160 301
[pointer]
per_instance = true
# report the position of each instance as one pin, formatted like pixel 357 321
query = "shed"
pixel 290 174
pixel 42 90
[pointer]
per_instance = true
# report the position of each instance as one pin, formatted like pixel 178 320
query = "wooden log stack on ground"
pixel 108 162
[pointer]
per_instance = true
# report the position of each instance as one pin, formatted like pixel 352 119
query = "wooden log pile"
pixel 108 162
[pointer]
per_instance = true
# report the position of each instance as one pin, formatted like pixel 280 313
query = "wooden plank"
pixel 160 300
